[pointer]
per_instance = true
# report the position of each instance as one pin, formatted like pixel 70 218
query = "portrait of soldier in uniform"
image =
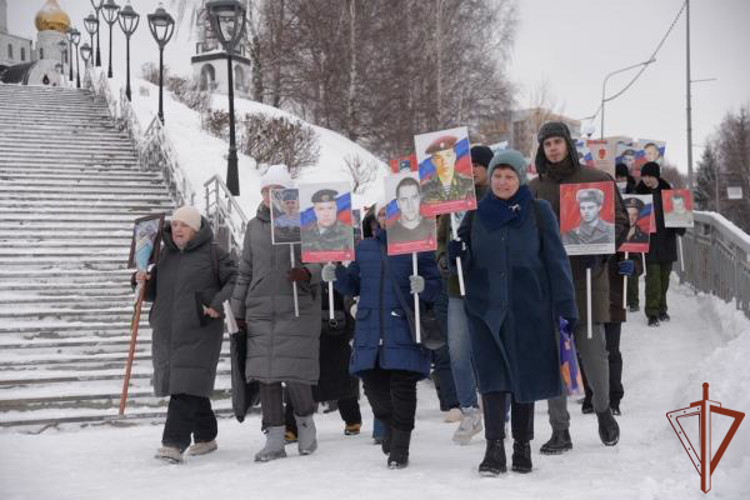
pixel 592 230
pixel 680 215
pixel 635 207
pixel 446 184
pixel 328 233
pixel 285 215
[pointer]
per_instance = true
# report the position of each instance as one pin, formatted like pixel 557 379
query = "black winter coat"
pixel 663 246
pixel 185 352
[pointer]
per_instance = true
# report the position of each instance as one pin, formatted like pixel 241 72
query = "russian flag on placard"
pixel 463 161
pixel 343 211
pixel 392 213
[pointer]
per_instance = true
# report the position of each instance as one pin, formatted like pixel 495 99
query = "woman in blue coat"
pixel 518 285
pixel 385 355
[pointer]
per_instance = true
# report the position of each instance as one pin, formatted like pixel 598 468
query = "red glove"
pixel 298 274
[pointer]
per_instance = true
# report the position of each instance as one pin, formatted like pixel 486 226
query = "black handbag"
pixel 431 332
pixel 245 394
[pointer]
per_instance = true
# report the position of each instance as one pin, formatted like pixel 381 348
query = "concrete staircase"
pixel 70 189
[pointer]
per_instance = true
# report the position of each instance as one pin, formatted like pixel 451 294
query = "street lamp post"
pixel 97 4
pixel 75 39
pixel 91 23
pixel 228 24
pixel 69 32
pixel 86 56
pixel 129 19
pixel 111 13
pixel 604 86
pixel 63 46
pixel 161 24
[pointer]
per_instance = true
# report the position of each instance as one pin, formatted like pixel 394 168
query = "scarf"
pixel 562 170
pixel 495 213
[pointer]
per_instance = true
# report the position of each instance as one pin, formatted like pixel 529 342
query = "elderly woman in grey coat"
pixel 281 347
pixel 187 286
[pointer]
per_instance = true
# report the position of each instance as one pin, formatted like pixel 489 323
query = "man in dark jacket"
pixel 558 164
pixel 459 342
pixel 663 248
pixel 187 286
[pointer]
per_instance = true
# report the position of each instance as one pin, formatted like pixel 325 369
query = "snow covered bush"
pixel 150 72
pixel 216 123
pixel 189 93
pixel 271 140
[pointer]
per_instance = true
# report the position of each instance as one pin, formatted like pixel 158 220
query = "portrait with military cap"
pixel 639 208
pixel 327 234
pixel 584 215
pixel 445 172
pixel 285 219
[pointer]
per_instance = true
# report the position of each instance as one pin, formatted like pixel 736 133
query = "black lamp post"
pixel 228 23
pixel 75 39
pixel 111 13
pixel 129 19
pixel 69 32
pixel 91 23
pixel 97 4
pixel 85 54
pixel 161 25
pixel 63 46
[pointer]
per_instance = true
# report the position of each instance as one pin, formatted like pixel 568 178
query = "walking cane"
pixel 131 353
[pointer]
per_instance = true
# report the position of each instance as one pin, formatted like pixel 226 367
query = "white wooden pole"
pixel 625 286
pixel 682 256
pixel 589 321
pixel 294 284
pixel 459 264
pixel 417 329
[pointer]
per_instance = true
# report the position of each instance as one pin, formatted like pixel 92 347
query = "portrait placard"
pixel 677 205
pixel 603 152
pixel 146 241
pixel 647 150
pixel 326 221
pixel 587 218
pixel 640 210
pixel 445 172
pixel 285 219
pixel 404 164
pixel 407 228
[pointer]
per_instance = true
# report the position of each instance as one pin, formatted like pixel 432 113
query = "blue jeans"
pixel 459 345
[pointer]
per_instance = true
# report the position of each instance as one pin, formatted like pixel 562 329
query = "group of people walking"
pixel 502 335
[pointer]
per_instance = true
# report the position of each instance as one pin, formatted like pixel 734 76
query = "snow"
pixel 706 341
pixel 202 156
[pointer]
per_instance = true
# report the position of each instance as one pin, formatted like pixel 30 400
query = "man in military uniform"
pixel 634 206
pixel 446 184
pixel 410 226
pixel 593 230
pixel 328 234
pixel 287 224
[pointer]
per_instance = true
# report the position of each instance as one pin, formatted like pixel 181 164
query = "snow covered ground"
pixel 707 341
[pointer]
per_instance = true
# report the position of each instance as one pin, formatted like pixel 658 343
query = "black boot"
pixel 558 444
pixel 385 443
pixel 494 459
pixel 521 457
pixel 609 431
pixel 399 456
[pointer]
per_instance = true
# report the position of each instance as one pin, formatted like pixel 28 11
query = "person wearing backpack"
pixel 518 285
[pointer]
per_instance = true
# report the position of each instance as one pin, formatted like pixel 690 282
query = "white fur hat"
pixel 276 175
pixel 188 215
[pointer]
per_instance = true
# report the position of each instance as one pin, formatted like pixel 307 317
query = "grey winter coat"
pixel 280 346
pixel 185 353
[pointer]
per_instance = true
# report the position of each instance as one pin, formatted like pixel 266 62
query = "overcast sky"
pixel 572 45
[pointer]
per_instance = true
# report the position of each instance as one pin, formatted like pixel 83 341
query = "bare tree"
pixel 362 172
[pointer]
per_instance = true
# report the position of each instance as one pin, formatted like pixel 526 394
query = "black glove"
pixel 298 274
pixel 626 267
pixel 241 324
pixel 592 262
pixel 456 249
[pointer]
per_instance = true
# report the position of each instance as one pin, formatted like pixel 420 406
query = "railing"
pixel 717 259
pixel 227 218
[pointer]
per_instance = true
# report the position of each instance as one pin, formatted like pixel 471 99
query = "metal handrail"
pixel 716 257
pixel 227 218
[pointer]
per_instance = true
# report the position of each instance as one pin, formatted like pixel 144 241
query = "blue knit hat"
pixel 511 158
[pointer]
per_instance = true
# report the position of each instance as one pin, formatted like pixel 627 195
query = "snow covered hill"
pixel 706 341
pixel 203 156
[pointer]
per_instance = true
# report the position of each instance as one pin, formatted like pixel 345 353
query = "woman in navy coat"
pixel 518 285
pixel 385 355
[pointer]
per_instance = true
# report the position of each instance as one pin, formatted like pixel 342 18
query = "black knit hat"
pixel 621 170
pixel 481 155
pixel 651 169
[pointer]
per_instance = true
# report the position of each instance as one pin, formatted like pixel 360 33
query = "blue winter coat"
pixel 515 291
pixel 381 333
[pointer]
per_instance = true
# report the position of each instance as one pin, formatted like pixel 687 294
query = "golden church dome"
pixel 52 17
